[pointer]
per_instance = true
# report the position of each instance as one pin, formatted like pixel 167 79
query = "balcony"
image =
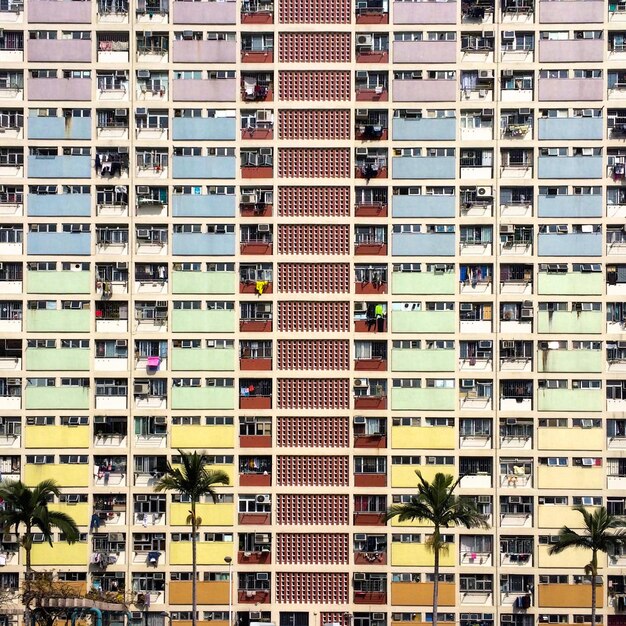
pixel 206 167
pixel 570 167
pixel 569 205
pixel 59 51
pixel 570 89
pixel 569 244
pixel 425 168
pixel 206 89
pixel 424 12
pixel 204 51
pixel 577 12
pixel 204 13
pixel 66 127
pixel 59 166
pixel 424 90
pixel 426 129
pixel 204 128
pixel 570 128
pixel 424 51
pixel 423 206
pixel 200 244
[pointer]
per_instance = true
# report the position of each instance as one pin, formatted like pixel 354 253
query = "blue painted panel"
pixel 59 128
pixel 423 206
pixel 194 244
pixel 443 129
pixel 422 244
pixel 199 128
pixel 75 204
pixel 203 206
pixel 58 243
pixel 571 244
pixel 204 167
pixel 423 167
pixel 59 167
pixel 569 206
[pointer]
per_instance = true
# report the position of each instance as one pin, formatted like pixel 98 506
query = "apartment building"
pixel 330 243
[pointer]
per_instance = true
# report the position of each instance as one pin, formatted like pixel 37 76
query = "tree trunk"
pixel 194 566
pixel 437 550
pixel 27 549
pixel 594 573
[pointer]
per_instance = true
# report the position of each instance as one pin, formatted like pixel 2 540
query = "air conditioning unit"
pixel 100 419
pixel 507 229
pixel 466 306
pixel 255 615
pixel 484 192
pixel 524 111
pixel 515 499
pixel 359 576
pixel 360 307
pixel 264 116
pixel 359 419
pixel 12 382
pixel 508 344
pixel 483 499
pixel 261 538
pixel 264 499
pixel 468 383
pixel 121 112
pixel 361 75
pixel 136 616
pixel 122 150
pixel 378 616
pixel 364 39
pixel 361 151
pixel 484 344
pixel 263 576
pixel 507 73
pixel 360 537
pixel 121 265
pixel 116 537
pixel 249 198
pixel 143 190
pixel 160 419
pixel 121 343
pixel 511 421
pixel 9 538
pixel 264 228
pixel 361 113
pixel 141 388
pixel 141 111
pixel 526 313
pixel 361 383
pixel 485 74
pixel 143 73
pixel 487 113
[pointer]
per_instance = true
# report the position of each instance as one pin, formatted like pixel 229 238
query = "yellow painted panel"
pixel 421 594
pixel 569 596
pixel 570 439
pixel 78 512
pixel 209 592
pixel 211 514
pixel 408 523
pixel 209 553
pixel 66 475
pixel 423 437
pixel 570 558
pixel 549 516
pixel 60 553
pixel 56 436
pixel 404 475
pixel 199 436
pixel 570 477
pixel 419 555
pixel 228 469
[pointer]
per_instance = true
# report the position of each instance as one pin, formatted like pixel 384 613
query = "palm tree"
pixel 25 510
pixel 603 532
pixel 435 503
pixel 194 480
